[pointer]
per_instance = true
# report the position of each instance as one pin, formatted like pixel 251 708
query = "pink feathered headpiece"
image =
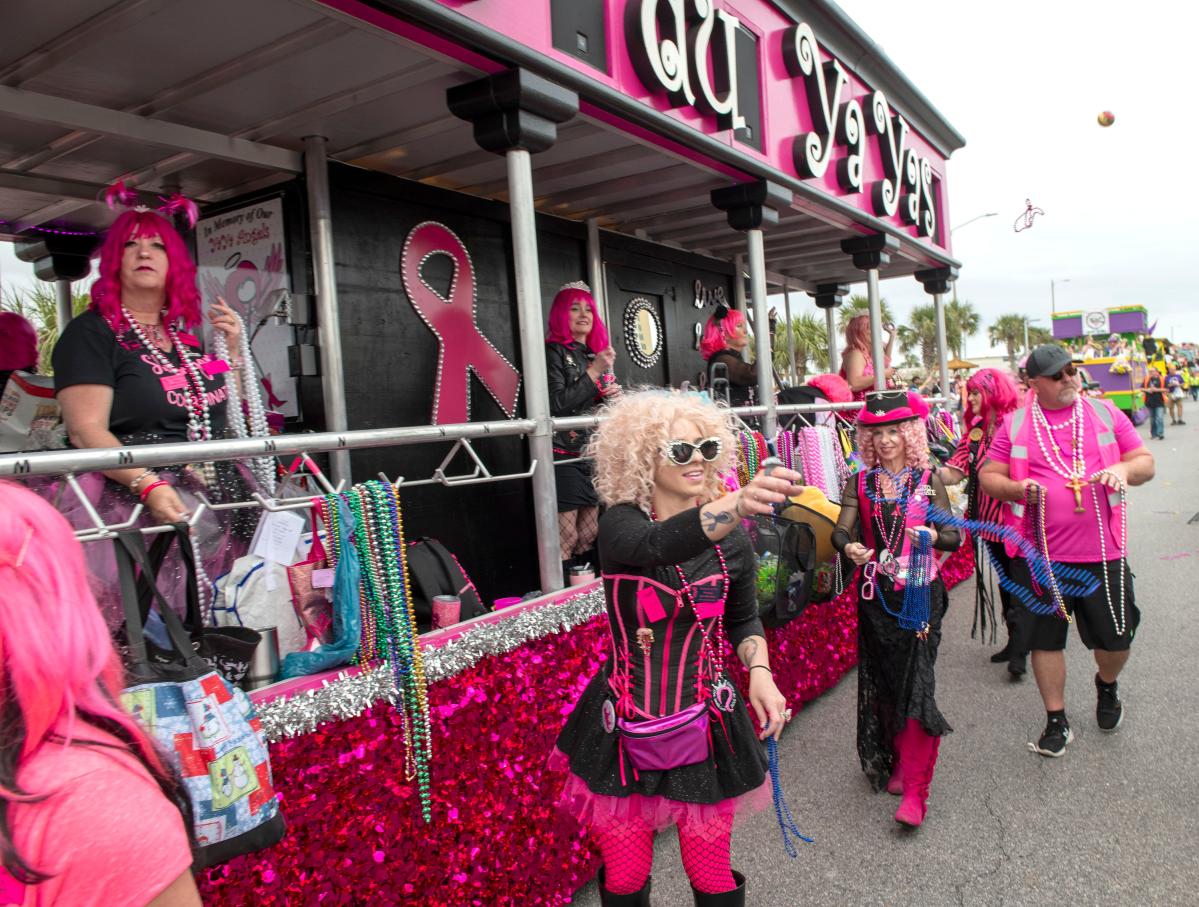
pixel 118 194
pixel 834 387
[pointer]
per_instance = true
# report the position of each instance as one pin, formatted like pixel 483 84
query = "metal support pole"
pixel 830 328
pixel 328 328
pixel 790 332
pixel 876 330
pixel 942 353
pixel 739 283
pixel 757 292
pixel 65 312
pixel 595 269
pixel 532 352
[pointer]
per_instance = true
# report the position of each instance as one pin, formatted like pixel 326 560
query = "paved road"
pixel 1116 821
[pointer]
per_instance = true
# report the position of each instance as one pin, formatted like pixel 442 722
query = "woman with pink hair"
pixel 884 511
pixel 578 364
pixel 857 363
pixel 89 811
pixel 724 341
pixel 131 370
pixel 990 395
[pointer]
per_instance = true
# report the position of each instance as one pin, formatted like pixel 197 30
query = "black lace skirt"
pixel 896 680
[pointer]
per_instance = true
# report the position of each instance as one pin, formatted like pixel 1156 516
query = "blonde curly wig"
pixel 628 444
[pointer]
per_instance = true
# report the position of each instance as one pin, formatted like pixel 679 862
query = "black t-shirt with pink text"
pixel 148 405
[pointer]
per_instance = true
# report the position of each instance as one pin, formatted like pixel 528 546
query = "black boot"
pixel 636 899
pixel 734 898
pixel 1003 654
pixel 1017 665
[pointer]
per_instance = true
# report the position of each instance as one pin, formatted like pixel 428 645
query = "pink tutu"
pixel 598 811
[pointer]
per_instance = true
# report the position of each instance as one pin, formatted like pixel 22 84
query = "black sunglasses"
pixel 1069 370
pixel 682 452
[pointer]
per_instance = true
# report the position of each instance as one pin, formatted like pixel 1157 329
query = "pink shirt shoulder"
pixel 105 832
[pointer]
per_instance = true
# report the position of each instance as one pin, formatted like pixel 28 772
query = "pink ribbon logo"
pixel 462 346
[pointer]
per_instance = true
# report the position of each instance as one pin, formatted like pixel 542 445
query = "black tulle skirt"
pixel 730 781
pixel 896 680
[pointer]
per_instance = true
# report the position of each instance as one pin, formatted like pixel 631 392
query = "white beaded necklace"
pixel 1076 468
pixel 1119 624
pixel 199 419
pixel 262 467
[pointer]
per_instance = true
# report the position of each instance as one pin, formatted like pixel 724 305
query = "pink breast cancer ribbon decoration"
pixel 462 346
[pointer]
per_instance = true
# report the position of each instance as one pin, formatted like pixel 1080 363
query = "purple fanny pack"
pixel 671 741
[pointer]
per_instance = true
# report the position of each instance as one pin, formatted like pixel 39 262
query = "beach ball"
pixel 1106 118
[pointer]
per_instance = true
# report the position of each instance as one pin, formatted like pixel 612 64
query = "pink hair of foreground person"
pixel 998 394
pixel 559 320
pixel 718 333
pixel 60 677
pixel 915 443
pixel 182 297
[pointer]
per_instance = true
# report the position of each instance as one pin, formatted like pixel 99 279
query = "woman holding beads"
pixel 578 363
pixel 130 371
pixel 990 395
pixel 679 580
pixel 885 530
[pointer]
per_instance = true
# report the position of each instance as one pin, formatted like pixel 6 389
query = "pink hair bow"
pixel 180 204
pixel 120 194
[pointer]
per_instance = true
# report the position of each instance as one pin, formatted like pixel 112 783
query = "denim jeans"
pixel 1157 421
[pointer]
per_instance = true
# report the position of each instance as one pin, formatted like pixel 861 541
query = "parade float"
pixel 1118 333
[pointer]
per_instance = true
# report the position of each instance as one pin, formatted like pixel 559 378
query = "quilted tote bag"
pixel 205 726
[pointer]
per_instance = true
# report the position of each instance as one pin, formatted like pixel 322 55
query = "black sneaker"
pixel 1109 711
pixel 1054 739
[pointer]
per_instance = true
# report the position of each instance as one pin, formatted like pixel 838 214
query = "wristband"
pixel 145 492
pixel 762 668
pixel 139 479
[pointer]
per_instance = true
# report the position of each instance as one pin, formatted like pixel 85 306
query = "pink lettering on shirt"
pixel 173 382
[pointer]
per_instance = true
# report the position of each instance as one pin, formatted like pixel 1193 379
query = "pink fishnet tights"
pixel 628 852
pixel 706 855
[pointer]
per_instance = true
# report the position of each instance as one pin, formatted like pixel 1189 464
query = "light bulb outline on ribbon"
pixel 499 377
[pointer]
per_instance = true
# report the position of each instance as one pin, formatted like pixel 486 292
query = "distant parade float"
pixel 1111 344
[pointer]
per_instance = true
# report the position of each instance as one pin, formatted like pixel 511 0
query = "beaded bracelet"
pixel 141 477
pixel 145 492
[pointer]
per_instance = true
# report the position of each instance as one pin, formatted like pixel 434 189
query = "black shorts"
pixel 1091 614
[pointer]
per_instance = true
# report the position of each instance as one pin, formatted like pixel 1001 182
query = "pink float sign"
pixel 819 122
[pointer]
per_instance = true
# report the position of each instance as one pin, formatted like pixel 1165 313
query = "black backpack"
pixel 432 571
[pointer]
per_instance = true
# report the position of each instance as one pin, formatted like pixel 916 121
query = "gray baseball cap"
pixel 1047 359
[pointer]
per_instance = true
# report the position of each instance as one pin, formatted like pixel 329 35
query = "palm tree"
pixel 918 338
pixel 39 304
pixel 811 344
pixel 1038 336
pixel 860 305
pixel 1009 331
pixel 961 321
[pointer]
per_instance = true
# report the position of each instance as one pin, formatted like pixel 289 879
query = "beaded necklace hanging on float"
pixel 389 630
pixel 250 421
pixel 751 451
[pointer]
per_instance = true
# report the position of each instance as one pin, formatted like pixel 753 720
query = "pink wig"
pixel 857 335
pixel 559 326
pixel 998 392
pixel 915 443
pixel 183 299
pixel 18 343
pixel 718 333
pixel 60 678
pixel 834 387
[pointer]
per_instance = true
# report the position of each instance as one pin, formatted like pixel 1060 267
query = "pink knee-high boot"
pixel 919 759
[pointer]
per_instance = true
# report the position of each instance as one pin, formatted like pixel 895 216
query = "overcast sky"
pixel 1023 82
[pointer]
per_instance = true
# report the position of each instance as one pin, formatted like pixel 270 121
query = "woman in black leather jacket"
pixel 579 369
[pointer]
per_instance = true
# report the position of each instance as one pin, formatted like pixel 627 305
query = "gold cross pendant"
pixel 1076 484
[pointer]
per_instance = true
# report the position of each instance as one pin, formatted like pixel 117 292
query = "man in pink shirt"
pixel 1074 456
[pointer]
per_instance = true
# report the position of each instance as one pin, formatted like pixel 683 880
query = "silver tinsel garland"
pixel 350 695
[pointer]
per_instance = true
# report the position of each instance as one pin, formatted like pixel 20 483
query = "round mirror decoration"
pixel 642 332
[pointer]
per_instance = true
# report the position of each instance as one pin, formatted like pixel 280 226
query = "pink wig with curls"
pixel 915 443
pixel 60 677
pixel 182 297
pixel 559 321
pixel 18 343
pixel 718 332
pixel 998 392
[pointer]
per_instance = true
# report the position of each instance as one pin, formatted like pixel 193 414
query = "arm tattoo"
pixel 747 650
pixel 714 519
